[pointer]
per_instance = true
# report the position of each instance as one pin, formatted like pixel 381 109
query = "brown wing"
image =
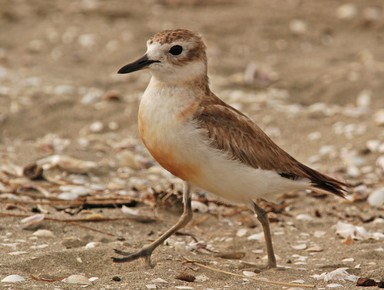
pixel 231 131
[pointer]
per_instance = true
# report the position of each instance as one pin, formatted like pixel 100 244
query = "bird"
pixel 199 138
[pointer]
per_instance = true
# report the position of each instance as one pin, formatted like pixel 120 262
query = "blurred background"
pixel 58 59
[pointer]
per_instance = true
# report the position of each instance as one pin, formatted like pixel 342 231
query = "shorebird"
pixel 207 143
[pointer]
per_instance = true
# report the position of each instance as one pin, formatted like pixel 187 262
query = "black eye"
pixel 176 50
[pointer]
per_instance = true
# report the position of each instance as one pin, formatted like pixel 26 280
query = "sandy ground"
pixel 310 73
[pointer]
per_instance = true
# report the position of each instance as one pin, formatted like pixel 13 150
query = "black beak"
pixel 136 65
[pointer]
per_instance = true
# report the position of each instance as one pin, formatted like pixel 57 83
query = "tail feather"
pixel 326 183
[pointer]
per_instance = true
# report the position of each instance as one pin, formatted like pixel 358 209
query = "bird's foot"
pixel 145 252
pixel 271 265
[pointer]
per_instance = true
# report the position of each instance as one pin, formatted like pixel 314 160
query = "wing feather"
pixel 232 132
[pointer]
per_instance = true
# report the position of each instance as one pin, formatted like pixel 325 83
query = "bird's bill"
pixel 139 64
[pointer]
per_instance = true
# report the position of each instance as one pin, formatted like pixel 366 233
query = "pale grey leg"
pixel 146 251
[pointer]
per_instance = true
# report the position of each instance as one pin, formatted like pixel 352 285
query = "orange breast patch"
pixel 173 164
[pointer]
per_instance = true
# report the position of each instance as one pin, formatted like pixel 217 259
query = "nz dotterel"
pixel 202 140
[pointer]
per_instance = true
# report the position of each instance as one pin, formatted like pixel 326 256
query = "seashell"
pixel 159 280
pixel 199 206
pixel 91 245
pixel 77 279
pixel 373 145
pixel 346 11
pixel 91 97
pixel 96 127
pixel 17 253
pixel 363 100
pixel 13 278
pixel 334 285
pixel 378 117
pixel 314 249
pixel 44 234
pixel 68 196
pixel 67 163
pixel 380 162
pixel 297 26
pixel 201 278
pixel 338 274
pixel 241 232
pixel 299 246
pixel 256 237
pixel 249 273
pixel 372 13
pixel 32 222
pixel 376 198
pixel 346 230
pixel 304 217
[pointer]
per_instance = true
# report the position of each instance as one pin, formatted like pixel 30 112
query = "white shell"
pixel 44 234
pixel 32 221
pixel 77 279
pixel 256 237
pixel 13 278
pixel 338 274
pixel 376 198
pixel 304 217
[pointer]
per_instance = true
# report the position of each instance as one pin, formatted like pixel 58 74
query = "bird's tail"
pixel 326 183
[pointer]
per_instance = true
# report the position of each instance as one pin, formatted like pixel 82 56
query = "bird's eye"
pixel 176 50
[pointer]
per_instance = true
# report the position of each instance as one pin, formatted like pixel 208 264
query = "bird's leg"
pixel 263 219
pixel 146 251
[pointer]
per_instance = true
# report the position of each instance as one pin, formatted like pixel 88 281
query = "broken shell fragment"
pixel 32 222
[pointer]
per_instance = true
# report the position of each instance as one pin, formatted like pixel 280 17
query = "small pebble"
pixel 116 278
pixel 150 286
pixel 185 277
pixel 366 282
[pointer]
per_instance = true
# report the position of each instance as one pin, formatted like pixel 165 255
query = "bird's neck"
pixel 198 85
